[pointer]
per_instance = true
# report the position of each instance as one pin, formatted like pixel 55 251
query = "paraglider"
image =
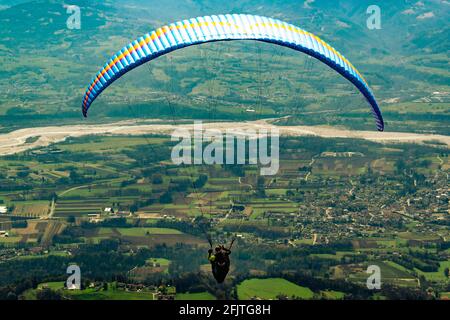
pixel 220 261
pixel 225 28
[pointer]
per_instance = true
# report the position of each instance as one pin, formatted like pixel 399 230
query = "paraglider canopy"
pixel 223 28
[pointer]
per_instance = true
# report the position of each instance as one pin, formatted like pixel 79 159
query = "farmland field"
pixel 111 293
pixel 32 209
pixel 390 271
pixel 160 261
pixel 438 275
pixel 195 296
pixel 271 288
pixel 140 232
pixel 332 295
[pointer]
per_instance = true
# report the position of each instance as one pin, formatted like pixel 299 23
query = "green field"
pixel 332 295
pixel 438 275
pixel 140 232
pixel 416 236
pixel 271 288
pixel 10 239
pixel 91 293
pixel 390 271
pixel 338 256
pixel 52 285
pixel 43 256
pixel 110 294
pixel 102 144
pixel 195 296
pixel 161 261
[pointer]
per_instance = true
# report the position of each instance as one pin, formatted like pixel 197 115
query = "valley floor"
pixel 29 138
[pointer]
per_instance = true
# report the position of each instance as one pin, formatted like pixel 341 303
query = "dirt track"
pixel 14 142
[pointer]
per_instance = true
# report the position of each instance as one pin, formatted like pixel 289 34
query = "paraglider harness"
pixel 220 260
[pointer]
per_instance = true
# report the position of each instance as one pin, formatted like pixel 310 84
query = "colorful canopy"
pixel 224 28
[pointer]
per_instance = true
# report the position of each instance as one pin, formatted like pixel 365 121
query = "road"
pixel 74 188
pixel 313 159
pixel 52 209
pixel 245 184
pixel 53 204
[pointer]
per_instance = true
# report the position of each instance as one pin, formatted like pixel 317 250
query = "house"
pixel 108 210
pixel 36 250
pixel 73 286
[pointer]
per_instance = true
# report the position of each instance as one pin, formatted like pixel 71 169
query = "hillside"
pixel 46 67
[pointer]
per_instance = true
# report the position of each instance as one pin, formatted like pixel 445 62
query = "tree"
pixel 400 165
pixel 23 173
pixel 166 197
pixel 260 186
pixel 48 294
pixel 157 178
pixel 134 207
pixel 200 181
pixel 73 175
